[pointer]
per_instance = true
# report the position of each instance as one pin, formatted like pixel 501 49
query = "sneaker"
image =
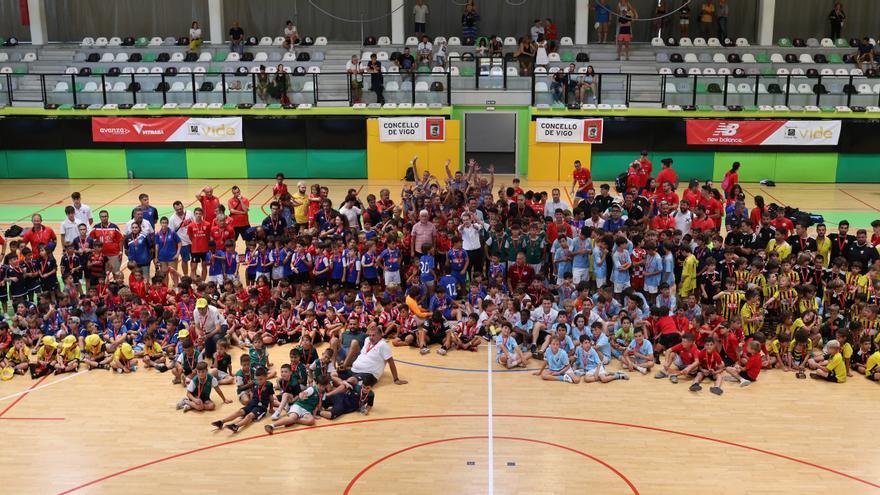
pixel 423 351
pixel 642 370
pixel 745 383
pixel 119 371
pixel 276 415
pixel 161 368
pixel 716 390
pixel 673 378
pixel 533 349
pixel 567 379
pixel 660 375
pixel 180 404
pixel 186 407
pixel 232 427
pixel 217 424
pixel 441 351
pixel 695 387
pixel 620 375
pixel 269 429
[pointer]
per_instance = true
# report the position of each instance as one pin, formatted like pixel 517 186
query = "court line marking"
pixel 780 203
pixel 32 419
pixel 465 370
pixel 34 388
pixel 859 200
pixel 474 415
pixel 518 439
pixel 490 423
pixel 136 186
pixel 23 395
pixel 53 204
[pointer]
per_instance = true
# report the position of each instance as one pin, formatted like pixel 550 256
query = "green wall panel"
pixel 806 167
pixel 266 163
pixel 858 168
pixel 755 166
pixel 157 164
pixel 203 163
pixel 50 164
pixel 338 164
pixel 4 169
pixel 96 164
pixel 688 165
pixel 606 165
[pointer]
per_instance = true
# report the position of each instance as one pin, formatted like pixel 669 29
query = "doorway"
pixel 490 138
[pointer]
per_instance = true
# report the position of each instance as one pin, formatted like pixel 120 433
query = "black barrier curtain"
pixel 73 20
pixel 499 17
pixel 809 18
pixel 312 18
pixel 10 21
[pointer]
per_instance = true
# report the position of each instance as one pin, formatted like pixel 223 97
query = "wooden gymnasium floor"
pixel 96 432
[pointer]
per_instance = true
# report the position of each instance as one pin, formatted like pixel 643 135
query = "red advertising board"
pixel 134 129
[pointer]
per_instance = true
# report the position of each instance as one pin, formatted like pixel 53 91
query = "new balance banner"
pixel 568 131
pixel 764 132
pixel 412 129
pixel 166 129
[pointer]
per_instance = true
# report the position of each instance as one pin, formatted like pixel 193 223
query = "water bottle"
pixel 131 174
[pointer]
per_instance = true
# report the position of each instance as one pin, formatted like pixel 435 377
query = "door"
pixel 490 139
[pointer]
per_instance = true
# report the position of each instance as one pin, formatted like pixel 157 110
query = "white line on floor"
pixel 490 423
pixel 68 377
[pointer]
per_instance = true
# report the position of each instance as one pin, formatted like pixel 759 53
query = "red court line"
pixel 775 200
pixel 448 416
pixel 54 204
pixel 117 197
pixel 518 439
pixel 7 200
pixel 22 396
pixel 32 419
pixel 859 200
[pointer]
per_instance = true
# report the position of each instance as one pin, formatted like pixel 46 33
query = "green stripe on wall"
pixel 263 164
pixel 157 164
pixel 858 168
pixel 338 164
pixel 688 165
pixel 96 164
pixel 607 165
pixel 4 169
pixel 755 166
pixel 217 163
pixel 50 164
pixel 806 167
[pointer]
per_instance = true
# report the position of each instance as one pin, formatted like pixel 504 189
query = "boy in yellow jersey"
pixel 788 324
pixel 856 282
pixel 846 349
pixel 752 314
pixel 823 244
pixel 153 355
pixel 869 320
pixel 780 245
pixel 17 357
pixel 807 300
pixel 742 273
pixel 729 300
pixel 688 272
pixel 833 369
pixel 871 366
pixel 123 359
pixel 799 351
pixel 777 348
pixel 95 352
pixel 786 297
pixel 46 357
pixel 755 278
pixel 786 269
pixel 69 356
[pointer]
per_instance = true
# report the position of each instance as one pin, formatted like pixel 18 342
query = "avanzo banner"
pixel 568 131
pixel 764 132
pixel 431 129
pixel 167 129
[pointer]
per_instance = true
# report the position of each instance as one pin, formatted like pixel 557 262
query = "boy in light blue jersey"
pixel 581 246
pixel 653 270
pixel 508 353
pixel 600 267
pixel 668 264
pixel 562 258
pixel 556 365
pixel 622 264
pixel 588 364
pixel 601 341
pixel 639 355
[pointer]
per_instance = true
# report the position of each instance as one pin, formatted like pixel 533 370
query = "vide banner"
pixel 568 131
pixel 167 129
pixel 763 132
pixel 431 129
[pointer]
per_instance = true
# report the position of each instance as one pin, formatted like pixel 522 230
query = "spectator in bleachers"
pixel 707 18
pixel 536 30
pixel 660 24
pixel 469 20
pixel 236 38
pixel 425 51
pixel 281 85
pixel 441 55
pixel 262 87
pixel 541 58
pixel 586 85
pixel 560 84
pixel 551 33
pixel 865 53
pixel 420 17
pixel 195 37
pixel 291 37
pixel 837 17
pixel 353 67
pixel 603 18
pixel 684 19
pixel 525 55
pixel 482 47
pixel 407 64
pixel 721 14
pixel 624 33
pixel 377 80
pixel 496 47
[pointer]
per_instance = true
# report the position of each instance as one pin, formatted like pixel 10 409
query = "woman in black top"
pixel 377 81
pixel 282 85
pixel 836 18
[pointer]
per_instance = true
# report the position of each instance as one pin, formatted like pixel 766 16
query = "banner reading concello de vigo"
pixel 764 132
pixel 167 129
pixel 568 131
pixel 412 129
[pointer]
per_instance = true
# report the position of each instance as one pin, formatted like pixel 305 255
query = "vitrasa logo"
pixel 142 130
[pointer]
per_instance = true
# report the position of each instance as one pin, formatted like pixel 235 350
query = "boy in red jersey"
pixel 199 234
pixel 582 180
pixel 684 357
pixel 710 366
pixel 746 374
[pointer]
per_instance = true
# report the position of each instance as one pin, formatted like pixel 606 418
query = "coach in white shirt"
pixel 470 230
pixel 556 204
pixel 372 359
pixel 146 228
pixel 683 217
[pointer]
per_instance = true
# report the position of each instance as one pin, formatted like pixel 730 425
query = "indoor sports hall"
pixel 439 246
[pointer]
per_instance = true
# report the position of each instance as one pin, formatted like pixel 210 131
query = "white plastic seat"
pixel 742 42
pixel 392 86
pixel 744 88
pixel 841 72
pixel 553 70
pixel 782 72
pixel 719 58
pixel 797 71
pixel 118 87
pixel 382 56
pixel 29 57
pixel 454 57
pixel 233 57
pixel 169 41
pixel 657 42
pixel 804 89
pixel 693 71
pixel 453 71
pixel 156 70
pixel 128 70
pixel 185 70
pixel 748 58
pixel 876 89
pixel 256 69
pixel 566 41
pixel 261 57
pixel 101 41
pixel 265 41
pixel 189 87
pixel 714 42
pixel 812 43
pixel 121 57
pixel 827 43
pixel 510 41
pixel 321 41
pixel 776 58
pixel 685 42
pixel 690 58
pixel 205 57
pixel 541 87
pixel 670 88
pixel 666 71
pixel 218 88
pixel 365 57
pixel 155 41
pixel 724 71
pixel 289 57
pixel 553 57
pixel 278 41
pixel 700 42
pixel 454 41
pixel 709 71
pixel 856 72
pixel 792 89
pixel 71 70
pixel 177 57
pixel 314 70
pixel 61 87
pixel 395 69
pixel 6 70
pixel 440 39
pixel 731 89
pixel 827 71
pixel 498 71
pixel 115 41
pixel 4 57
pixel 412 41
pixel 762 89
pixel 406 86
pixel 805 58
pixel 107 58
pixel 540 70
pixel 437 69
pixel 200 70
pixel 422 86
pixel 383 41
pixel 512 72
pixel 864 89
pixel 87 41
pixel 177 86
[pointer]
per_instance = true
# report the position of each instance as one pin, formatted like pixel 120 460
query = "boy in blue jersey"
pixel 601 341
pixel 369 264
pixel 167 248
pixel 389 261
pixel 508 353
pixel 556 365
pixel 639 355
pixel 653 270
pixel 588 364
pixel 449 283
pixel 216 260
pixel 458 262
pixel 622 264
pixel 231 261
pixel 600 267
pixel 562 258
pixel 427 268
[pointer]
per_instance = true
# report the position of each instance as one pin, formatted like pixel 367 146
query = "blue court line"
pixel 464 370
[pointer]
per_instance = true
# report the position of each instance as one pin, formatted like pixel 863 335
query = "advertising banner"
pixel 431 129
pixel 568 131
pixel 764 132
pixel 167 129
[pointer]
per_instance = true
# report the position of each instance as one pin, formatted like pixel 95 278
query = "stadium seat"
pixel 185 70
pixel 383 41
pixel 693 71
pixel 289 57
pixel 661 58
pixel 782 72
pixel 553 57
pixel 724 71
pixel 551 70
pixel 177 57
pixel 232 57
pixel 742 42
pixel 4 57
pixel 278 41
pixel 804 88
pixel 90 87
pixel 685 42
pixel 835 58
pixel 813 43
pixel 748 58
pixel 155 41
pixel 141 42
pixel 566 41
pixel 128 70
pixel 71 70
pixel 392 86
pixel 805 58
pixel 321 41
pixel 709 71
pixel 731 89
pixel 88 41
pixel 121 57
pixel 744 88
pixel 437 68
pixel 29 57
pixel 406 86
pixel 438 39
pixel 382 56
pixel 841 72
pixel 704 58
pixel 156 70
pixel 568 57
pixel 856 72
pixel 6 70
pixel 497 71
pixel 777 58
pixel 314 70
pixel 365 56
pixel 690 58
pixel 454 41
pixel 784 43
pixel 412 41
pixel 61 87
pixel 541 87
pixel 826 72
pixel 204 57
pixel 719 58
pixel 265 41
pixel 114 41
pixel 510 41
pixel 657 42
pixel 540 70
pixel 107 58
pixel 665 71
pixel 200 70
pixel 797 71
pixel 792 90
pixel 714 42
pixel 118 87
pixel 101 41
pixel 700 42
pixel 261 57
pixel 512 72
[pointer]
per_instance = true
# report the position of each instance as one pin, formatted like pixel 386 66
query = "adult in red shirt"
pixel 646 164
pixel 714 208
pixel 111 239
pixel 209 203
pixel 667 174
pixel 199 233
pixel 280 188
pixel 663 221
pixel 221 231
pixel 781 222
pixel 520 273
pixel 558 227
pixel 666 194
pixel 636 177
pixel 39 234
pixel 238 212
pixel 582 180
pixel 665 329
pixel 731 178
pixel 701 221
pixel 692 193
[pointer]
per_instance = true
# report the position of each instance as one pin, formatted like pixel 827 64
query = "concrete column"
pixel 37 13
pixel 398 21
pixel 215 22
pixel 581 21
pixel 766 16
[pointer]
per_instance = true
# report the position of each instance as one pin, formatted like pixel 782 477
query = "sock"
pixel 561 378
